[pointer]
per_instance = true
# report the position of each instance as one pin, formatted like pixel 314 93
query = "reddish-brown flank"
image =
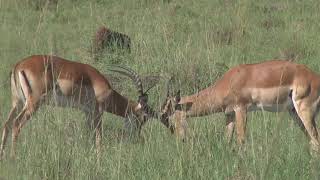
pixel 276 85
pixel 41 79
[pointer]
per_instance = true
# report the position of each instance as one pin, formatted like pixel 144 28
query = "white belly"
pixel 271 107
pixel 270 99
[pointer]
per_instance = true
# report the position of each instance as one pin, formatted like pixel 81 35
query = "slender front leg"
pixel 181 124
pixel 129 126
pixel 140 121
pixel 229 127
pixel 89 116
pixel 241 121
pixel 98 132
pixel 98 128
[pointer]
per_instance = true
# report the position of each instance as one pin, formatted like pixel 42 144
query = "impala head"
pixel 172 109
pixel 144 109
pixel 168 109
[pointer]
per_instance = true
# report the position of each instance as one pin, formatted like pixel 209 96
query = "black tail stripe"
pixel 27 81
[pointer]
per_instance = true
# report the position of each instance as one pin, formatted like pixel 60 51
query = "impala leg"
pixel 139 123
pixel 98 133
pixel 15 132
pixel 18 123
pixel 181 125
pixel 132 126
pixel 241 121
pixel 129 126
pixel 89 120
pixel 293 113
pixel 98 129
pixel 229 127
pixel 307 116
pixel 93 120
pixel 310 125
pixel 5 130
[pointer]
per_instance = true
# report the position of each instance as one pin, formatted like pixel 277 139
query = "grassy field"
pixel 187 39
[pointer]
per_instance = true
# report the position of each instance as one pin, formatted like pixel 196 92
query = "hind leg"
pixel 5 130
pixel 19 122
pixel 16 107
pixel 310 125
pixel 294 115
pixel 306 112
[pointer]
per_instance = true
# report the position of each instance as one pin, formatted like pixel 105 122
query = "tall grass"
pixel 187 39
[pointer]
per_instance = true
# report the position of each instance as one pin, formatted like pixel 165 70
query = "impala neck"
pixel 203 103
pixel 120 105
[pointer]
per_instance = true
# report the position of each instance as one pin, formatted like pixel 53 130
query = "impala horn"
pixel 168 95
pixel 131 74
pixel 143 96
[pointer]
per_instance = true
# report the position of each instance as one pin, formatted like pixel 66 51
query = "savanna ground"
pixel 191 40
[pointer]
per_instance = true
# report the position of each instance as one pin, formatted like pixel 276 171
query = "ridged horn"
pixel 131 74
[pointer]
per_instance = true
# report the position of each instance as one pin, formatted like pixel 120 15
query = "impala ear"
pixel 177 97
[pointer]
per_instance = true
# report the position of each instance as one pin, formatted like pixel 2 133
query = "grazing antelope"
pixel 45 79
pixel 273 86
pixel 106 38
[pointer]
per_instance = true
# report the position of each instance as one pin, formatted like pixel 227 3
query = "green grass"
pixel 184 38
